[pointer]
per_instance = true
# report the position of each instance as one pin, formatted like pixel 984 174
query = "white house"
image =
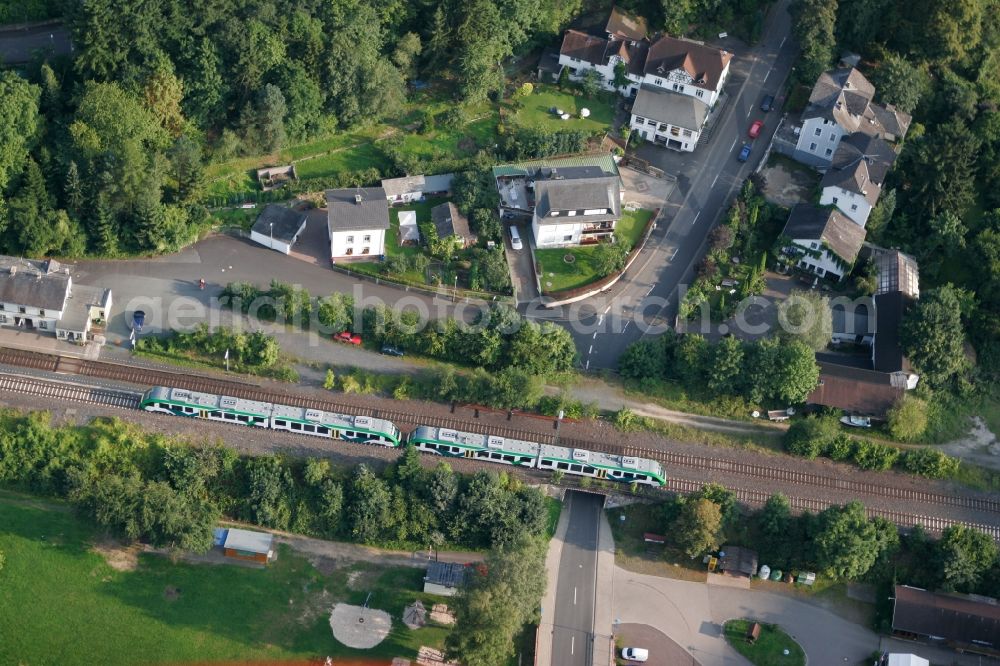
pixel 841 103
pixel 42 296
pixel 688 68
pixel 824 240
pixel 278 228
pixel 668 119
pixel 414 188
pixel 357 219
pixel 575 206
pixel 854 180
pixel 581 52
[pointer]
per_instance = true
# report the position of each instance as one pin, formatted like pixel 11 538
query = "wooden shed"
pixel 247 545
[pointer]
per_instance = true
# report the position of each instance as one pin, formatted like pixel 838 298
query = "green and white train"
pixel 431 439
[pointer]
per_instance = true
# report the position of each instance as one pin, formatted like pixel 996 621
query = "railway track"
pixel 144 376
pixel 73 392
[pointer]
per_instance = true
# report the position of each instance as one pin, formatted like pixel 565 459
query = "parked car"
pixel 767 104
pixel 856 421
pixel 389 350
pixel 138 320
pixel 755 129
pixel 635 654
pixel 744 153
pixel 348 337
pixel 515 239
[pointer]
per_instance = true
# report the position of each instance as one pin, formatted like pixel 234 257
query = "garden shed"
pixel 408 231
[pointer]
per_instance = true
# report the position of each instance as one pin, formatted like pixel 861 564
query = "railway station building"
pixel 41 295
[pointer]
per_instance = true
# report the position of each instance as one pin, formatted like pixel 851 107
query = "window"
pixel 819 131
pixel 280 423
pixel 571 213
pixel 658 82
pixel 576 468
pixel 663 127
pixel 308 427
pixel 562 465
pixel 41 312
pixel 3 319
pixel 589 470
pixel 699 93
pixel 554 213
pixel 42 324
pixel 833 136
pixel 812 146
pixel 814 246
pixel 22 309
pixel 835 201
pixel 854 206
pixel 365 250
pixel 349 251
pixel 686 132
pixel 568 239
pixel 820 271
pixel 678 87
pixel 829 151
pixel 350 240
pixel 368 238
pixel 675 131
pixel 640 120
pixel 651 123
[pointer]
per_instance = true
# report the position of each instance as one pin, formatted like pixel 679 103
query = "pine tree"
pixel 102 227
pixel 73 191
pixel 440 40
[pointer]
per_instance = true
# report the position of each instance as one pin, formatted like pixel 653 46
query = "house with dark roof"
pixel 357 219
pixel 581 52
pixel 278 227
pixel 575 206
pixel 449 221
pixel 687 67
pixel 887 351
pixel 668 119
pixel 623 25
pixel 41 295
pixel 966 623
pixel 841 103
pixel 823 240
pixel 854 180
pixel 444 578
pixel 856 390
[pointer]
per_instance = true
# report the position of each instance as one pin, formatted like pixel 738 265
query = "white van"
pixel 515 239
pixel 635 654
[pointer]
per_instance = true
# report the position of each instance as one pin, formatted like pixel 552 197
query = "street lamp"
pixel 270 227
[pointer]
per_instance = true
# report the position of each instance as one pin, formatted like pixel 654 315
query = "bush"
pixel 840 449
pixel 871 455
pixel 930 463
pixel 908 418
pixel 811 436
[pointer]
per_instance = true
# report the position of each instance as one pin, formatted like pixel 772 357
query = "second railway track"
pixel 146 377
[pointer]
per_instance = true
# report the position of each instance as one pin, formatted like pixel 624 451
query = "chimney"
pixel 357 198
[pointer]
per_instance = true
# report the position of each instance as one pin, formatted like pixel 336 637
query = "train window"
pixel 309 428
pixel 525 459
pixel 243 418
pixel 545 463
pixel 455 449
pixel 575 468
pixel 627 476
pixel 279 422
pixel 588 470
pixel 296 425
pixel 323 430
pixel 348 433
pixel 640 477
pixel 509 458
pixel 496 456
pixel 562 465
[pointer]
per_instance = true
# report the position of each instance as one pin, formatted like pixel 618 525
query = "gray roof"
pixel 249 542
pixel 279 222
pixel 842 92
pixel 704 64
pixel 395 187
pixel 889 311
pixel 448 574
pixel 346 213
pixel 577 189
pixel 76 315
pixel 860 165
pixel 893 122
pixel 24 282
pixel 448 220
pixel 842 236
pixel 666 106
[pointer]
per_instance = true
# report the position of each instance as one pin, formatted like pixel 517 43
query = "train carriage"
pixel 446 442
pixel 362 429
pixel 582 462
pixel 183 402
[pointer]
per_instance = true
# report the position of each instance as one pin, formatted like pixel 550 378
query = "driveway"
pixel 522 273
pixel 646 191
pixel 662 650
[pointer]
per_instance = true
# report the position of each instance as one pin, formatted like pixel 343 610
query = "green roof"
pixel 605 162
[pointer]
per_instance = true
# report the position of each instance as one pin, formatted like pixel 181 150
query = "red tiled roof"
pixel 584 47
pixel 704 64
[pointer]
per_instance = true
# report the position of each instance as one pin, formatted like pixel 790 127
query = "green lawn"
pixel 392 246
pixel 62 603
pixel 769 648
pixel 534 111
pixel 631 225
pixel 238 217
pixel 356 158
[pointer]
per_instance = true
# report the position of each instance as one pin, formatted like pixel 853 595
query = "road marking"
pixel 749 111
pixel 572 644
pixel 676 250
pixel 591 350
pixel 714 181
pixel 734 143
pixel 782 42
pixel 767 75
pixel 650 290
pixel 595 336
pixel 588 365
pixel 600 319
pixel 695 218
pixel 574 596
pixel 606 310
pixel 626 326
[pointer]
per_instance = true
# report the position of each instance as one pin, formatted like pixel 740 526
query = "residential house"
pixel 357 219
pixel 668 119
pixel 516 182
pixel 575 206
pixel 278 227
pixel 853 322
pixel 840 104
pixel 854 180
pixel 581 52
pixel 887 351
pixel 623 25
pixel 688 68
pixel 41 295
pixel 415 188
pixel 448 221
pixel 444 578
pixel 823 240
pixel 965 623
pixel 861 391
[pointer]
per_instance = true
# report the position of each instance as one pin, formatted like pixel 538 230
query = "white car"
pixel 515 239
pixel 635 654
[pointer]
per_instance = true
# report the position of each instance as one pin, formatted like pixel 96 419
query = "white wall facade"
pixel 267 241
pixel 824 266
pixel 367 243
pixel 17 315
pixel 665 134
pixel 577 68
pixel 564 234
pixel 820 137
pixel 851 204
pixel 681 82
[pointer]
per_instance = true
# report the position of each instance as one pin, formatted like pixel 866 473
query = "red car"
pixel 348 337
pixel 755 129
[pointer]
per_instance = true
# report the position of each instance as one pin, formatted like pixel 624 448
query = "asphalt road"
pixel 708 179
pixel 574 611
pixel 19 45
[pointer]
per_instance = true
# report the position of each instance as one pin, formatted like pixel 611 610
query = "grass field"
pixel 534 111
pixel 62 603
pixel 769 648
pixel 392 246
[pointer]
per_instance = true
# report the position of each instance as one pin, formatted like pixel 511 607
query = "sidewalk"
pixel 604 596
pixel 543 651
